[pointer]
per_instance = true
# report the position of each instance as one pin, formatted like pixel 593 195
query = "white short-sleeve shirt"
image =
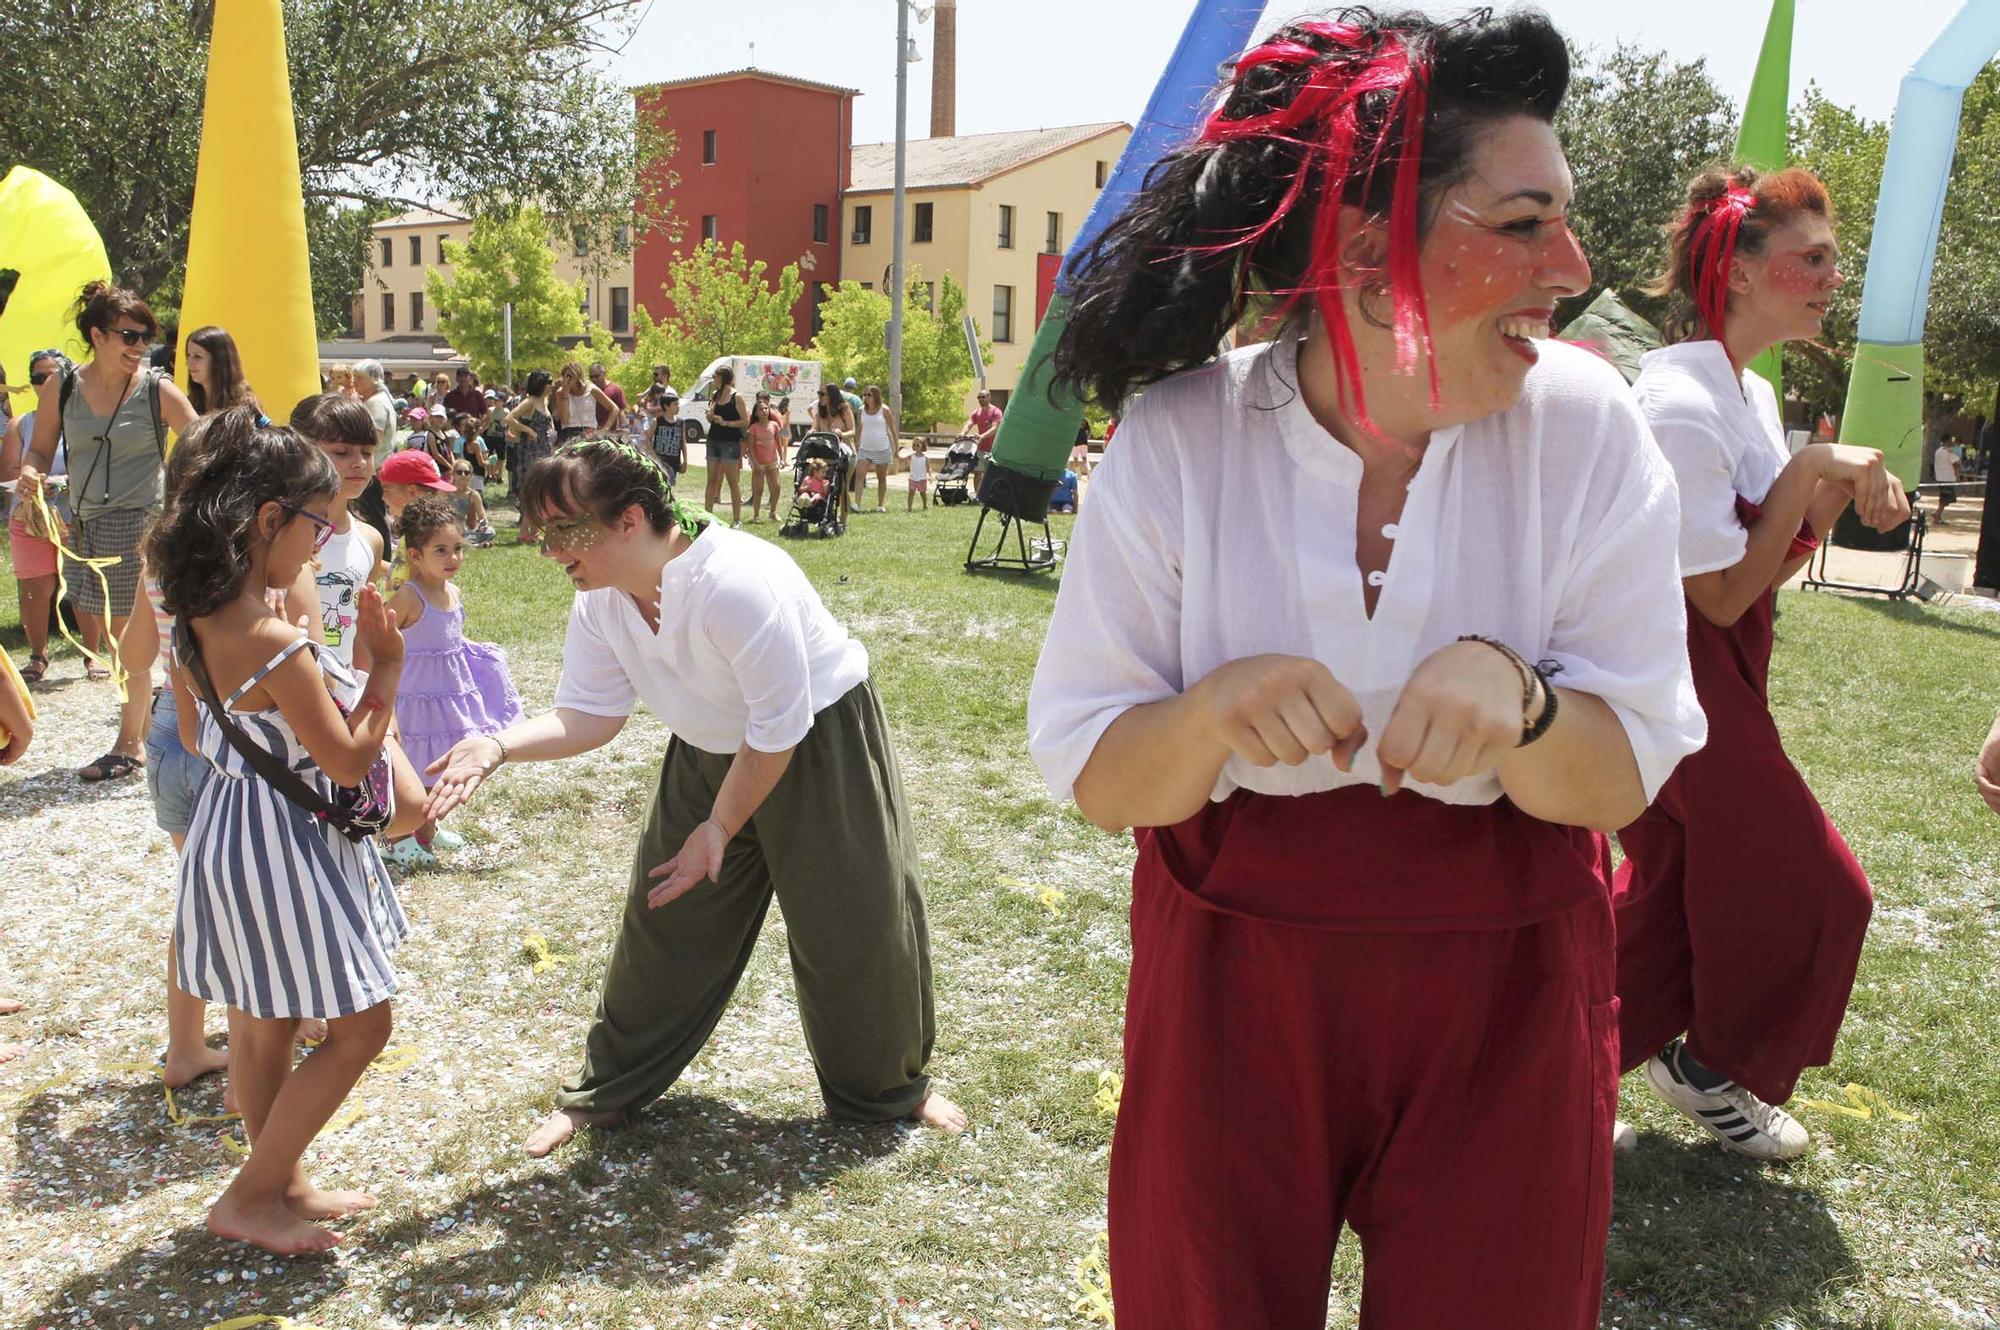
pixel 1223 525
pixel 1723 436
pixel 746 651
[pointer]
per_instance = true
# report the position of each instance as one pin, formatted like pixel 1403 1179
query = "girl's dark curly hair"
pixel 423 517
pixel 219 479
pixel 1234 218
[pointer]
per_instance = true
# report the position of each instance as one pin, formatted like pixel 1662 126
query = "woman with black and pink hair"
pixel 1740 908
pixel 1370 629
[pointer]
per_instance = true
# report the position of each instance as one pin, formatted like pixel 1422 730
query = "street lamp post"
pixel 896 229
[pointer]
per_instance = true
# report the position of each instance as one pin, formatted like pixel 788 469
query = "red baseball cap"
pixel 414 466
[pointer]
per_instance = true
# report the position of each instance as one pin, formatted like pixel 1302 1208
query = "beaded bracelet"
pixel 1531 675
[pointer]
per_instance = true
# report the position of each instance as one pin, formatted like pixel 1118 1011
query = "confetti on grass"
pixel 535 947
pixel 1110 1093
pixel 1093 1282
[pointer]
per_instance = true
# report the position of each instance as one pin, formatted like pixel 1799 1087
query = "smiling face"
pixel 121 347
pixel 1497 258
pixel 1786 289
pixel 589 550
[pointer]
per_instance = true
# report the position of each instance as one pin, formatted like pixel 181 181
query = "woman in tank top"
pixel 877 445
pixel 578 401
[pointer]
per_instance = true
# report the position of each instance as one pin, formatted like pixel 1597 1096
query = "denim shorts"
pixel 173 774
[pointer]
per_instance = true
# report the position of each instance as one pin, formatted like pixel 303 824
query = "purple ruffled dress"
pixel 451 688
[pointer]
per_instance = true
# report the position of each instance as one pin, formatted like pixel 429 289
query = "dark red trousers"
pixel 1740 909
pixel 1446 1091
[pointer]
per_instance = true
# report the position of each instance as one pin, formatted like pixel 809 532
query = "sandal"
pixel 112 766
pixel 37 666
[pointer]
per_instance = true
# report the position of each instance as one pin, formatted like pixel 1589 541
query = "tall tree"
pixel 724 306
pixel 507 260
pixel 937 372
pixel 399 103
pixel 1637 126
pixel 1846 150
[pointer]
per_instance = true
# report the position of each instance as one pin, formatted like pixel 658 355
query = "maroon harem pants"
pixel 1446 1090
pixel 1740 909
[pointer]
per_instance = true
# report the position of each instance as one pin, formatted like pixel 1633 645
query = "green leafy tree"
pixel 506 260
pixel 1962 330
pixel 937 372
pixel 1846 150
pixel 724 306
pixel 652 344
pixel 1636 126
pixel 398 103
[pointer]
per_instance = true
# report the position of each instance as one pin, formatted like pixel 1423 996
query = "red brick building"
pixel 763 159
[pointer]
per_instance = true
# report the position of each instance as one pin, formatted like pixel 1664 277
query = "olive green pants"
pixel 833 844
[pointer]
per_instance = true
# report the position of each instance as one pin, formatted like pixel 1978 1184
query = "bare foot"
pixel 272 1227
pixel 8 1006
pixel 8 1052
pixel 312 1030
pixel 560 1125
pixel 229 1097
pixel 937 1111
pixel 182 1069
pixel 310 1202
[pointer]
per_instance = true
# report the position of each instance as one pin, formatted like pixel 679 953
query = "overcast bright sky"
pixel 1030 63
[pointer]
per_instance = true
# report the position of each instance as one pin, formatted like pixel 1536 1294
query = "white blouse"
pixel 1723 436
pixel 1223 525
pixel 746 651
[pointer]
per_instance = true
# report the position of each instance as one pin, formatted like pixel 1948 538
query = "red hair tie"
pixel 1323 120
pixel 1714 250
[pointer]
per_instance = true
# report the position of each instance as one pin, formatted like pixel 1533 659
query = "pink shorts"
pixel 32 558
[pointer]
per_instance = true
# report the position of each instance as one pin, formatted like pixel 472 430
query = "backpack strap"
pixel 262 761
pixel 159 421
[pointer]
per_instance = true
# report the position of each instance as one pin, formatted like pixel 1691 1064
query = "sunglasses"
pixel 559 535
pixel 39 379
pixel 320 537
pixel 132 336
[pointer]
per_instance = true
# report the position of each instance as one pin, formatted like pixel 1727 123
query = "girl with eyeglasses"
pixel 113 412
pixel 279 915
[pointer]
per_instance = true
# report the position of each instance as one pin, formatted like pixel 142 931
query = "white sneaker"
pixel 1624 1137
pixel 1731 1114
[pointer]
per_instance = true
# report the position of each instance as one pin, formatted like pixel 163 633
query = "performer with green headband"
pixel 779 780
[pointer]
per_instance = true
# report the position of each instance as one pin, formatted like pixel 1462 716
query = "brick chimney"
pixel 944 70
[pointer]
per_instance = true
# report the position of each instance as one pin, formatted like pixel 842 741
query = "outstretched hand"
pixel 375 628
pixel 700 858
pixel 458 773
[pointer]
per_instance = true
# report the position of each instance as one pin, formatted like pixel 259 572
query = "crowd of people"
pixel 1373 633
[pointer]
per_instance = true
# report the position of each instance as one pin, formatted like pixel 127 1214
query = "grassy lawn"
pixel 732 1203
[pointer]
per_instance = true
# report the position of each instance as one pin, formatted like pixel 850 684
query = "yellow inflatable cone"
pixel 46 237
pixel 247 267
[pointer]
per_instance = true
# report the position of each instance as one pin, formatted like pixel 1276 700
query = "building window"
pixel 1103 171
pixel 923 236
pixel 930 296
pixel 357 310
pixel 708 147
pixel 820 223
pixel 441 257
pixel 868 286
pixel 388 253
pixel 821 290
pixel 708 226
pixel 388 311
pixel 621 240
pixel 1003 313
pixel 416 311
pixel 864 225
pixel 579 241
pixel 416 251
pixel 621 309
pixel 1006 226
pixel 1052 242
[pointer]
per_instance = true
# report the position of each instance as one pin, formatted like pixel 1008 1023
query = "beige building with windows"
pixel 982 207
pixel 392 303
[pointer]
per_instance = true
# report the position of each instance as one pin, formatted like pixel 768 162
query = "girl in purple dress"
pixel 452 688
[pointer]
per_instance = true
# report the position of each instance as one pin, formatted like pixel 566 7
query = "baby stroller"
pixel 819 510
pixel 953 477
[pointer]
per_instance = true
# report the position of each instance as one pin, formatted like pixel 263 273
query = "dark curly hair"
pixel 425 516
pixel 602 475
pixel 220 478
pixel 1231 221
pixel 100 304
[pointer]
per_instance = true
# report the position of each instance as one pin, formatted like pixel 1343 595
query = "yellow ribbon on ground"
pixel 1862 1103
pixel 1110 1093
pixel 536 948
pixel 120 677
pixel 1050 898
pixel 1093 1282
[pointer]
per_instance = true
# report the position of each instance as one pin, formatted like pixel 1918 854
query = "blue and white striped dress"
pixel 279 914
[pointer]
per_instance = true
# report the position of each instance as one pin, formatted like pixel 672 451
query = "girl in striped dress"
pixel 279 915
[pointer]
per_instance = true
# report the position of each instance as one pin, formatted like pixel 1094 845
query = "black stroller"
pixel 820 510
pixel 954 476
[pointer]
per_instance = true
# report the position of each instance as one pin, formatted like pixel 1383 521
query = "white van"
pixel 793 381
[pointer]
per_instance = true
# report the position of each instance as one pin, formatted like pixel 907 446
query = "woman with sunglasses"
pixel 780 750
pixel 113 412
pixel 28 538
